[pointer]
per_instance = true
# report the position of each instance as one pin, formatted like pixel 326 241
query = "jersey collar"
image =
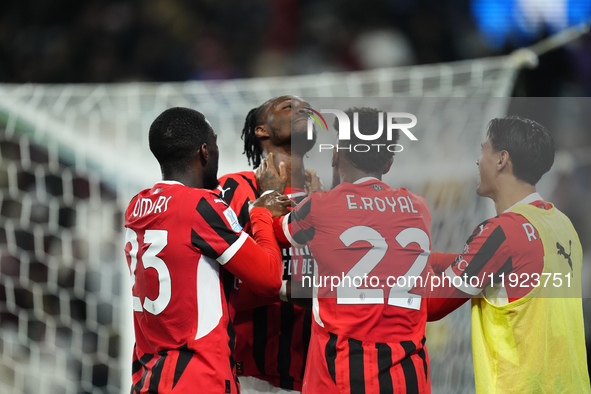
pixel 527 200
pixel 365 179
pixel 294 192
pixel 168 183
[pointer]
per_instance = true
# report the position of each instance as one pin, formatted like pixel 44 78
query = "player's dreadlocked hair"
pixel 252 146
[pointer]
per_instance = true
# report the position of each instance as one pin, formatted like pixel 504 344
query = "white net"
pixel 72 156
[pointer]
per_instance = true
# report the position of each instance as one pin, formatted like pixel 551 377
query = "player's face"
pixel 487 172
pixel 287 121
pixel 210 171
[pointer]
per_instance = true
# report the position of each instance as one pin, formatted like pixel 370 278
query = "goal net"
pixel 72 156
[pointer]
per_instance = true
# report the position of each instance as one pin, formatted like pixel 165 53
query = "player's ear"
pixel 261 132
pixel 503 160
pixel 203 154
pixel 388 165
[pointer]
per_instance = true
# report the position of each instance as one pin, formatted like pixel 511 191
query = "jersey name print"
pixel 183 299
pixel 368 240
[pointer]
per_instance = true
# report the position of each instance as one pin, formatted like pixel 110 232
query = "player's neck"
pixel 294 165
pixel 351 174
pixel 187 179
pixel 510 193
pixel 350 178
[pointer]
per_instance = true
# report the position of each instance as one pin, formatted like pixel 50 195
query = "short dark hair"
pixel 374 159
pixel 529 144
pixel 175 137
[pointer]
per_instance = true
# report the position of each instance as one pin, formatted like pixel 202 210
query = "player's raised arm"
pixel 443 298
pixel 313 182
pixel 458 278
pixel 269 177
pixel 440 261
pixel 296 229
pixel 257 260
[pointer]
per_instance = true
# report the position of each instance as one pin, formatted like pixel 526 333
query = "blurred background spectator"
pixel 68 41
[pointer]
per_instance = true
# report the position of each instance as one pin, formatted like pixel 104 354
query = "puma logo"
pixel 482 228
pixel 223 191
pixel 561 251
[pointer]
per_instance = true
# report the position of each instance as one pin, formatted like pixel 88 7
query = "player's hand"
pixel 276 203
pixel 269 178
pixel 312 182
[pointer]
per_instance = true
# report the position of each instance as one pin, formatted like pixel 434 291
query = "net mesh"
pixel 72 156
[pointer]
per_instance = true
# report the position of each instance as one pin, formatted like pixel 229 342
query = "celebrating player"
pixel 272 339
pixel 183 246
pixel 367 239
pixel 525 264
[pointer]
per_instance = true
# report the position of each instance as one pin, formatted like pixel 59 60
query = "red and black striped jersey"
pixel 371 232
pixel 348 365
pixel 506 250
pixel 271 340
pixel 181 244
pixel 371 244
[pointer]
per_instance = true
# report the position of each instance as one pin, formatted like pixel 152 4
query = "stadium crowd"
pixel 66 41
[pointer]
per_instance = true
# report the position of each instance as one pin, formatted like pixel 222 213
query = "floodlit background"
pixel 81 81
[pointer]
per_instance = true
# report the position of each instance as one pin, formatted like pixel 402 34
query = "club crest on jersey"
pixel 377 187
pixel 233 220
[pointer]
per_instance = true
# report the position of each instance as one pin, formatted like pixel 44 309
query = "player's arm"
pixel 294 292
pixel 312 182
pixel 299 223
pixel 296 228
pixel 220 237
pixel 441 261
pixel 444 300
pixel 258 262
pixel 281 230
pixel 268 177
pixel 485 254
